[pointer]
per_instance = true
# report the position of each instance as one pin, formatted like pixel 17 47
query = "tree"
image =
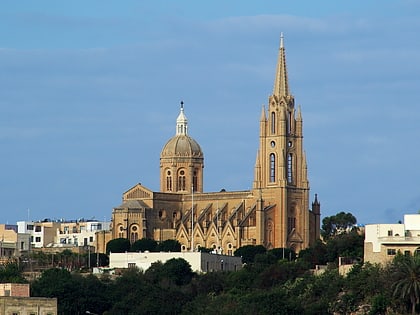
pixel 118 245
pixel 176 270
pixel 314 255
pixel 407 283
pixel 336 224
pixel 59 283
pixel 248 252
pixel 169 246
pixel 11 272
pixel 144 244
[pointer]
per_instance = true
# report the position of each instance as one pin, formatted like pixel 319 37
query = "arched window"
pixel 289 123
pixel 134 235
pixel 168 181
pixel 272 167
pixel 290 168
pixel 120 231
pixel 181 180
pixel 273 122
pixel 195 180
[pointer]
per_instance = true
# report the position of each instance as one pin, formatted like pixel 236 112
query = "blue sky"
pixel 90 90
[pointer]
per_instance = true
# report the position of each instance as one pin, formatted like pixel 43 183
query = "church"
pixel 274 213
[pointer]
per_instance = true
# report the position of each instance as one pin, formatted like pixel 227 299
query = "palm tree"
pixel 407 284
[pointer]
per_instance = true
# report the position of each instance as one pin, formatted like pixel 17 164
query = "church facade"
pixel 274 213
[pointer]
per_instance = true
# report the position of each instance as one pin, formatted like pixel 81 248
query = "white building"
pixel 200 262
pixel 384 241
pixel 62 233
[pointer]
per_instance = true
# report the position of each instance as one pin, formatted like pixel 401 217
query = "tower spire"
pixel 181 122
pixel 281 83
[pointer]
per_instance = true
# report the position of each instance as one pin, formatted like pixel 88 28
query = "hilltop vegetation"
pixel 271 282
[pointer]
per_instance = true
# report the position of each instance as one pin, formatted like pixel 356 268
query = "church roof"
pixel 132 204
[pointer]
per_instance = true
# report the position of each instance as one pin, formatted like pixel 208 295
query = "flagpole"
pixel 192 218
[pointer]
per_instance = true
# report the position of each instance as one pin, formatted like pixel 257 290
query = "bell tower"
pixel 280 169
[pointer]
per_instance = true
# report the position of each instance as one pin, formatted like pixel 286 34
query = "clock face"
pixel 273 144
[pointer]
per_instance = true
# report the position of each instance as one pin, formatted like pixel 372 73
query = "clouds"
pixel 89 98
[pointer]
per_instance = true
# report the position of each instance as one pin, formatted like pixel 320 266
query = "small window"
pixel 389 232
pixel 131 265
pixel 30 227
pixel 37 239
pixel 38 228
pixel 91 239
pixel 391 251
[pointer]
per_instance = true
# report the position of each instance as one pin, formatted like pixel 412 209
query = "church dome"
pixel 181 145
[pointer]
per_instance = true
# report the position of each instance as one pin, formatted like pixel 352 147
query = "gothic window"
pixel 181 180
pixel 272 167
pixel 290 168
pixel 195 180
pixel 289 123
pixel 168 181
pixel 273 122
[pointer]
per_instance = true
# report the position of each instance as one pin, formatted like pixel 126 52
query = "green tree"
pixel 11 272
pixel 169 246
pixel 118 245
pixel 407 280
pixel 144 244
pixel 174 271
pixel 333 225
pixel 248 252
pixel 315 255
pixel 345 245
pixel 60 284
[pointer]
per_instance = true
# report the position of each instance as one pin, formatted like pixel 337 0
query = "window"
pixel 273 122
pixel 168 181
pixel 290 168
pixel 38 228
pixel 195 180
pixel 134 236
pixel 22 245
pixel 32 239
pixel 90 239
pixel 391 251
pixel 30 227
pixel 389 232
pixel 131 265
pixel 272 167
pixel 181 180
pixel 38 239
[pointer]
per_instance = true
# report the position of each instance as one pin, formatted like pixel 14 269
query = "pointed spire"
pixel 281 84
pixel 263 114
pixel 181 122
pixel 299 114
